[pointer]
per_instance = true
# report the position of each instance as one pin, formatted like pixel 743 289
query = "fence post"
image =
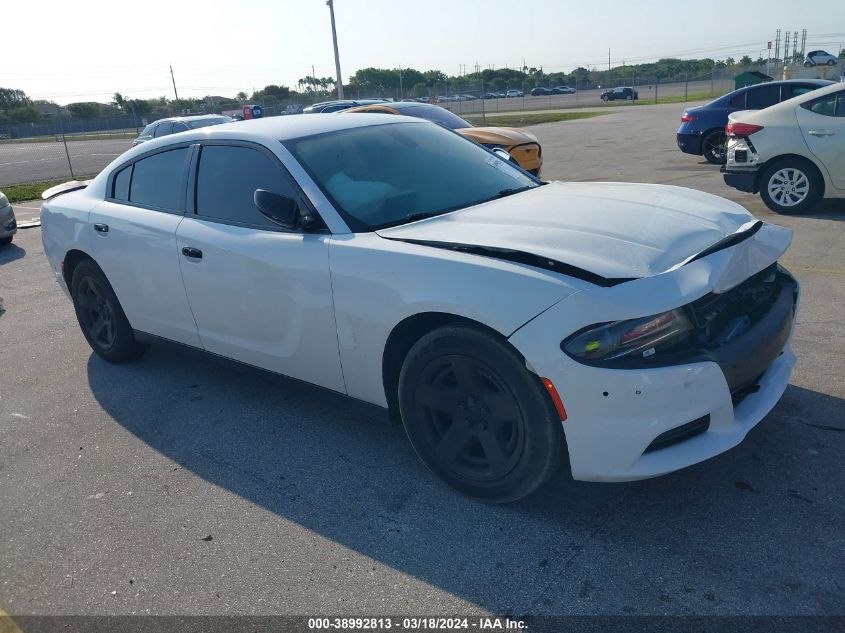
pixel 64 141
pixel 483 104
pixel 656 84
pixel 686 87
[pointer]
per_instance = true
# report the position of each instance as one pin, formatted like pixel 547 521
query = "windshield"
pixel 384 175
pixel 206 122
pixel 436 114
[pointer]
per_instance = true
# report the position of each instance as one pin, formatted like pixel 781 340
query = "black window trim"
pixel 302 197
pixel 158 150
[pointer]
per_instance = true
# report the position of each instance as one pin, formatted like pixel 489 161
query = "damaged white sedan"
pixel 644 328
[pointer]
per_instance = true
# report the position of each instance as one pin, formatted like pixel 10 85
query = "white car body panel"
pixel 321 307
pixel 642 404
pixel 263 298
pixel 786 131
pixel 616 230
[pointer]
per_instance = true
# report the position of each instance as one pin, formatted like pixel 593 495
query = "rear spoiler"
pixel 65 187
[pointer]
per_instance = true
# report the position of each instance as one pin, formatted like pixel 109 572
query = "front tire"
pixel 100 315
pixel 713 147
pixel 831 62
pixel 6 240
pixel 790 186
pixel 476 416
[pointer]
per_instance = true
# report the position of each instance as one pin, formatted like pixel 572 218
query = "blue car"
pixel 702 130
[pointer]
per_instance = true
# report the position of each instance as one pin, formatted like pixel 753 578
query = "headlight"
pixel 634 338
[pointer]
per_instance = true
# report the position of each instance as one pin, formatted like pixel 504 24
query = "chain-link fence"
pixel 63 147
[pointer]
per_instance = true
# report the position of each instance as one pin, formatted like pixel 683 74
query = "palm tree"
pixel 119 100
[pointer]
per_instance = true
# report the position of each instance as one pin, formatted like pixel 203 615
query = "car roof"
pixel 198 117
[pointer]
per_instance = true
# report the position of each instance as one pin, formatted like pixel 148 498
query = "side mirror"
pixel 279 209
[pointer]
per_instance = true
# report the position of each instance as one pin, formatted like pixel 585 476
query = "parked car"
pixel 523 147
pixel 540 91
pixel 563 90
pixel 624 93
pixel 338 105
pixel 514 93
pixel 173 125
pixel 820 58
pixel 402 265
pixel 791 153
pixel 493 95
pixel 8 224
pixel 702 130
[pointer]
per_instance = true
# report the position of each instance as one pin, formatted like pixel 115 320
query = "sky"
pixel 90 49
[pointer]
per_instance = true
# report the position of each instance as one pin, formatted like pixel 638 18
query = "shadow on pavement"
pixel 747 532
pixel 10 253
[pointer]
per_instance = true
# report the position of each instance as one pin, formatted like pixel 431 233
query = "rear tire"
pixel 101 317
pixel 713 147
pixel 831 62
pixel 790 185
pixel 476 416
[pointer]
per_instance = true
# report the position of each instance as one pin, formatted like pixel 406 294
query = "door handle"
pixel 193 253
pixel 820 133
pixel 101 228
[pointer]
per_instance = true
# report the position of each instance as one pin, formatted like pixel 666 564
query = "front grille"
pixel 680 433
pixel 721 318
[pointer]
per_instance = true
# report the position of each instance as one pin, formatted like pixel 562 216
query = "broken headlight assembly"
pixel 629 340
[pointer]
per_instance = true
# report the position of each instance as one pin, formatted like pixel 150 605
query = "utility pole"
pixel 795 43
pixel 173 79
pixel 330 4
pixel 803 41
pixel 777 44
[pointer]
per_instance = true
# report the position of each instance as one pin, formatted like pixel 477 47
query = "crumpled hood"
pixel 615 230
pixel 508 136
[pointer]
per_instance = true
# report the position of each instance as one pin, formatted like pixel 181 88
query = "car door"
pixel 134 242
pixel 822 123
pixel 260 294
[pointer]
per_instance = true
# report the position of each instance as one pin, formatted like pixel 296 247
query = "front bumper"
pixel 618 419
pixel 8 225
pixel 689 143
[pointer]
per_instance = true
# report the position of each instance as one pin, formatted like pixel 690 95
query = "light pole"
pixel 330 4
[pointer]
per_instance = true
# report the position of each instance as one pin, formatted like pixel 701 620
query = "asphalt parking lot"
pixel 32 162
pixel 184 485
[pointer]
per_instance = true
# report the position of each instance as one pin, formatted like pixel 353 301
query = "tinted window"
pixel 158 181
pixel 436 114
pixel 206 122
pixel 121 183
pixel 829 105
pixel 179 127
pixel 227 180
pixel 762 97
pixel 380 175
pixel 164 129
pixel 148 131
pixel 792 90
pixel 739 101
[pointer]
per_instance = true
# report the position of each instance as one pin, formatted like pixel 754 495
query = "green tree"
pixel 84 109
pixel 745 60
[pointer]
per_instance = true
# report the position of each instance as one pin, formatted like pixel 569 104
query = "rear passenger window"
pixel 739 101
pixel 829 105
pixel 121 184
pixel 762 97
pixel 787 92
pixel 159 181
pixel 227 179
pixel 164 129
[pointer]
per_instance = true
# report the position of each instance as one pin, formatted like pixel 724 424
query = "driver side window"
pixel 227 179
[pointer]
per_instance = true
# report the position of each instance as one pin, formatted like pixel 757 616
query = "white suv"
pixel 793 153
pixel 819 58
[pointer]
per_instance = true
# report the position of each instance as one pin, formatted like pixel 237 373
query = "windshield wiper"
pixel 411 217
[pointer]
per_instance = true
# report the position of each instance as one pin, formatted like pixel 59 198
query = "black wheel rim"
pixel 470 420
pixel 714 147
pixel 96 312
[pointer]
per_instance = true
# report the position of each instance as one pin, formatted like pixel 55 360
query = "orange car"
pixel 521 145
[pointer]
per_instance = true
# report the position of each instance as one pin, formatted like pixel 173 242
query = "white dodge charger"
pixel 644 328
